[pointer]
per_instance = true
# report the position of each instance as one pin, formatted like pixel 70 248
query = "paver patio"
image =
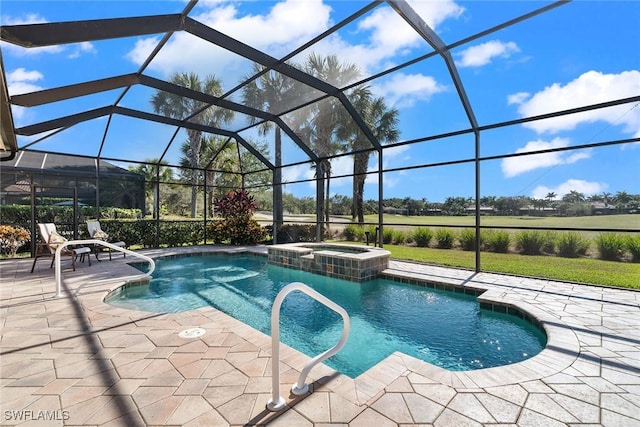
pixel 78 361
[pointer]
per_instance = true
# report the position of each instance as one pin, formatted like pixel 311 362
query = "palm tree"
pixel 573 196
pixel 322 119
pixel 271 92
pixel 382 121
pixel 154 172
pixel 621 199
pixel 551 196
pixel 179 107
pixel 219 154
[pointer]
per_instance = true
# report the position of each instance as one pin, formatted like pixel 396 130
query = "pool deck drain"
pixel 100 365
pixel 192 333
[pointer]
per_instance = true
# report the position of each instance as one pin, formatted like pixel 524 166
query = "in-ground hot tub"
pixel 355 263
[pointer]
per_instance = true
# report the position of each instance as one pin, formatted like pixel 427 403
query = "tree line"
pixel 572 203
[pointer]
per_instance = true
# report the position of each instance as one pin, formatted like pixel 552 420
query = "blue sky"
pixel 577 54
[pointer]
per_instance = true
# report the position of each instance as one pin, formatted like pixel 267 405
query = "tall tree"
pixel 219 155
pixel 573 196
pixel 154 172
pixel 271 92
pixel 180 107
pixel 622 198
pixel 550 197
pixel 382 121
pixel 322 119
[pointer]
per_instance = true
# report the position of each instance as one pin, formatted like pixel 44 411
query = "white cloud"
pixel 517 98
pixel 435 13
pixel 513 166
pixel 30 18
pixel 482 54
pixel 297 172
pixel 585 187
pixel 591 87
pixel 80 48
pixel 21 81
pixel 395 151
pixel 19 115
pixel 403 90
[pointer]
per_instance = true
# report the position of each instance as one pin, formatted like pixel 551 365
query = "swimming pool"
pixel 443 328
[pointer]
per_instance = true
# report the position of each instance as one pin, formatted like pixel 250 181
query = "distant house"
pixel 537 211
pixel 487 210
pixel 601 208
pixel 55 176
pixel 394 211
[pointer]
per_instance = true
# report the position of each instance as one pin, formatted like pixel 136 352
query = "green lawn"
pixel 579 270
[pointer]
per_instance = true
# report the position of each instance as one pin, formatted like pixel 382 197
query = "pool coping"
pixel 561 350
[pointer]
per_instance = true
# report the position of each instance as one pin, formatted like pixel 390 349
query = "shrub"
pixel 445 238
pixel 178 233
pixel 422 236
pixel 496 240
pixel 15 214
pixel 351 232
pixel 467 238
pixel 632 244
pixel 236 209
pixel 11 238
pixel 387 236
pixel 531 242
pixel 119 213
pixel 549 242
pixel 240 231
pixel 288 233
pixel 372 233
pixel 610 246
pixel 572 245
pixel 399 237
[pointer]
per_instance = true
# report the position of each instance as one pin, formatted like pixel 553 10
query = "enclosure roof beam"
pixel 71 120
pixel 62 93
pixel 95 86
pixel 422 28
pixel 8 141
pixel 57 33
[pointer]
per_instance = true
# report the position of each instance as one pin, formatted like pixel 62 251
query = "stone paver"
pixel 78 361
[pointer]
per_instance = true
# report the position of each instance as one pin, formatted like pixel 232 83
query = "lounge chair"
pixel 96 232
pixel 51 239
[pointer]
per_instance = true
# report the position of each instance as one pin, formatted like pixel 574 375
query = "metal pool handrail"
pixel 277 403
pixel 58 272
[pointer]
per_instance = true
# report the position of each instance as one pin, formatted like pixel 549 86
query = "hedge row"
pixel 21 214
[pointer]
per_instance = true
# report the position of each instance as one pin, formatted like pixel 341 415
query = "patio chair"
pixel 96 232
pixel 51 239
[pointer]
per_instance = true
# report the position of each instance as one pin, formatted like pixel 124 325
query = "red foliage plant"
pixel 235 203
pixel 238 226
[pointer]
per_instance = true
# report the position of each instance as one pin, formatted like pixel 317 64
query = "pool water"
pixel 443 328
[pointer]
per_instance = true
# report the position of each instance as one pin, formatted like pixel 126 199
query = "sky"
pixel 577 54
